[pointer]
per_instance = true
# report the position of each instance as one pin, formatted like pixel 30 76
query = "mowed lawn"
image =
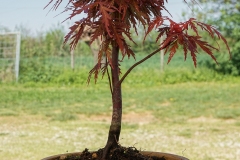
pixel 199 120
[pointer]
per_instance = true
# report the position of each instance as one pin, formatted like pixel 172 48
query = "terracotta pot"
pixel 167 156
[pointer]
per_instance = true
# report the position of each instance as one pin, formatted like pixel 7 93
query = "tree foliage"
pixel 226 15
pixel 112 21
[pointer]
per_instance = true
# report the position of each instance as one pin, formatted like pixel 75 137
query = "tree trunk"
pixel 115 128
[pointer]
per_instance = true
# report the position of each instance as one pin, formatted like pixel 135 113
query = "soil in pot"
pixel 119 153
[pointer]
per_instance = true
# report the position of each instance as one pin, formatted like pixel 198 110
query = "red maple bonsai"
pixel 111 20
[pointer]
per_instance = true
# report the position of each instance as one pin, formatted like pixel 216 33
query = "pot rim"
pixel 168 156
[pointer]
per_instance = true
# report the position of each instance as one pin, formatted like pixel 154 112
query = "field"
pixel 185 112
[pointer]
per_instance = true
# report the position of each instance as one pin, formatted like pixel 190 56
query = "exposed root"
pixel 106 151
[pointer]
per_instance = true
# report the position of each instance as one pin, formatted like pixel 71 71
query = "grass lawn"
pixel 198 120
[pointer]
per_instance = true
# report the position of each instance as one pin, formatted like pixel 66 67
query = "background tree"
pixel 112 21
pixel 226 15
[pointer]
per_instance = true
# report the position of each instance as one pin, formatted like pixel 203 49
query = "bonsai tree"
pixel 112 20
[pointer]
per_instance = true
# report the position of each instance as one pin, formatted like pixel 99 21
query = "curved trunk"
pixel 115 128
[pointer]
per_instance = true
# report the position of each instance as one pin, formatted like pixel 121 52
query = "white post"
pixel 17 61
pixel 72 59
pixel 161 58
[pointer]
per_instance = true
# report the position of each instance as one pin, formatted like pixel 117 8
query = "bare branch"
pixel 136 64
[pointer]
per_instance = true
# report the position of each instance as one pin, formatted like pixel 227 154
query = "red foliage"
pixel 112 20
pixel 178 34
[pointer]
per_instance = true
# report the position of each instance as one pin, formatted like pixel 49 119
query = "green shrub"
pixel 36 70
pixel 72 77
pixel 225 64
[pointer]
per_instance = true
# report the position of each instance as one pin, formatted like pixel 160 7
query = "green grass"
pixel 195 119
pixel 185 100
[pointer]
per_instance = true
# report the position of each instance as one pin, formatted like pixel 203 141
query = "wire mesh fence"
pixel 9 56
